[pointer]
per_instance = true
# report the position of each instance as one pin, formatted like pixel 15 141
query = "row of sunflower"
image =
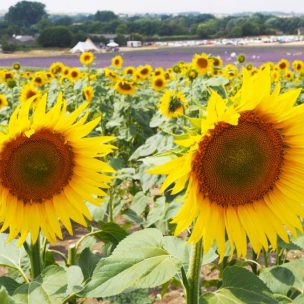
pixel 204 153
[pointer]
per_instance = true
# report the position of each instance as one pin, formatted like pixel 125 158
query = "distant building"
pixel 23 39
pixel 134 44
pixel 301 31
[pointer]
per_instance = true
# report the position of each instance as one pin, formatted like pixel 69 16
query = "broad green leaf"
pixel 10 254
pixel 9 284
pixel 87 262
pixel 111 233
pixel 139 203
pixel 240 286
pixel 4 297
pixel 142 260
pixel 299 299
pixel 75 280
pixel 48 288
pixel 280 279
pixel 157 212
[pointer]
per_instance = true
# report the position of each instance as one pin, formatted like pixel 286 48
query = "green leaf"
pixel 240 286
pixel 87 262
pixel 4 297
pixel 9 284
pixel 139 202
pixel 75 279
pixel 299 299
pixel 111 233
pixel 48 288
pixel 142 260
pixel 10 254
pixel 280 279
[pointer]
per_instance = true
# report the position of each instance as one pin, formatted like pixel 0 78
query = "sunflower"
pixel 217 61
pixel 172 104
pixel 129 70
pixel 29 91
pixel 117 61
pixel 3 101
pixel 86 58
pixel 39 79
pixel 283 65
pixel 49 169
pixel 125 87
pixel 110 74
pixel 16 66
pixel 298 66
pixel 74 74
pixel 88 93
pixel 202 63
pixel 144 71
pixel 159 82
pixel 244 165
pixel 56 68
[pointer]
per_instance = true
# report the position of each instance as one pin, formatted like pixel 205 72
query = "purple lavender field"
pixel 167 57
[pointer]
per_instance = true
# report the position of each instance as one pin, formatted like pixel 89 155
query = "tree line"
pixel 31 18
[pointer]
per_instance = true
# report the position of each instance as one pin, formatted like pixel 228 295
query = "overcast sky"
pixel 170 6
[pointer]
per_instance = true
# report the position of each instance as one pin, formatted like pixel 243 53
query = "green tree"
pixel 105 16
pixel 56 36
pixel 25 13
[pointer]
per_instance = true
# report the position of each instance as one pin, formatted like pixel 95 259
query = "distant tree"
pixel 56 36
pixel 121 40
pixel 25 13
pixel 105 16
pixel 122 29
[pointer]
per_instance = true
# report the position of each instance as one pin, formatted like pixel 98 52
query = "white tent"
pixel 112 44
pixel 81 47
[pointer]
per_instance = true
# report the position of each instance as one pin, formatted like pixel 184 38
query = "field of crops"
pixel 186 178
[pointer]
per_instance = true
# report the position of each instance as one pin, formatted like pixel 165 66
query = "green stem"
pixel 35 259
pixel 72 252
pixel 254 265
pixel 265 258
pixel 194 273
pixel 60 254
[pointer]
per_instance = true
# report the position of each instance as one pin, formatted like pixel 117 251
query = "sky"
pixel 166 6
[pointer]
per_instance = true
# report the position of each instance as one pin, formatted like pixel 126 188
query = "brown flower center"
pixel 125 86
pixel 202 63
pixel 34 169
pixel 239 164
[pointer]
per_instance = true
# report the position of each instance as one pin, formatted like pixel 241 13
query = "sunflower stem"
pixel 195 264
pixel 35 258
pixel 72 252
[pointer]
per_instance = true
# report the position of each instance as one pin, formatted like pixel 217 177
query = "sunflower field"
pixel 150 185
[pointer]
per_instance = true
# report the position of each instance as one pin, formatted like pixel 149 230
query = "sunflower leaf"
pixel 240 286
pixel 49 288
pixel 142 260
pixel 280 279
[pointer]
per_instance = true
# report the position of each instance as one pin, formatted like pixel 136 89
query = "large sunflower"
pixel 49 169
pixel 243 171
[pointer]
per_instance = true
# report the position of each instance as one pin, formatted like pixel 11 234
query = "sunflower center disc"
pixel 36 168
pixel 239 164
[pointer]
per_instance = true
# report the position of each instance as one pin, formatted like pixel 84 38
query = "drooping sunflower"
pixel 3 101
pixel 172 104
pixel 243 170
pixel 86 58
pixel 202 63
pixel 117 61
pixel 88 93
pixel 158 82
pixel 29 91
pixel 49 168
pixel 125 87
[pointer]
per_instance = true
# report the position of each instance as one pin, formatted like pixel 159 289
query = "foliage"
pixel 57 36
